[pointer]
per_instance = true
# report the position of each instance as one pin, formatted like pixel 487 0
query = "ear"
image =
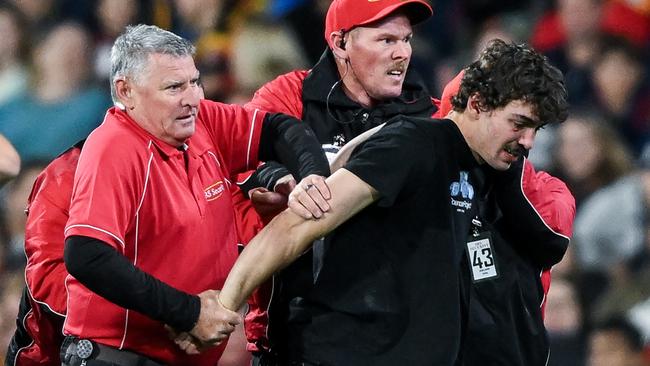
pixel 124 93
pixel 473 107
pixel 337 42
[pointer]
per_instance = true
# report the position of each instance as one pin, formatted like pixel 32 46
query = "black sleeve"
pixel 109 274
pixel 265 176
pixel 393 161
pixel 292 143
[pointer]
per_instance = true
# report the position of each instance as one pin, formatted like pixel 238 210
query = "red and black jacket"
pixel 315 97
pixel 42 310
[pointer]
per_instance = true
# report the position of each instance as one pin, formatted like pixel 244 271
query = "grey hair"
pixel 131 50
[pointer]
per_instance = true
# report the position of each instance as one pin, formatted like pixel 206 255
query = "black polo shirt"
pixel 388 291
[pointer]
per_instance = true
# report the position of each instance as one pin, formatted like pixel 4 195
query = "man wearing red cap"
pixel 360 81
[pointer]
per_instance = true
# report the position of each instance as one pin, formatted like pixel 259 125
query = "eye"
pixel 540 127
pixel 173 87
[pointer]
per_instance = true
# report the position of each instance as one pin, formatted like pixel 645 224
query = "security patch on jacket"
pixel 480 254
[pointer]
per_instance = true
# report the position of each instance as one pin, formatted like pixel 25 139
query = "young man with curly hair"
pixel 407 213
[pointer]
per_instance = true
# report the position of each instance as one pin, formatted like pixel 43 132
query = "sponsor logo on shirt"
pixel 462 193
pixel 214 191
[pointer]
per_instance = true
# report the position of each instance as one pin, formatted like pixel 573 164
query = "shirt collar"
pixel 164 148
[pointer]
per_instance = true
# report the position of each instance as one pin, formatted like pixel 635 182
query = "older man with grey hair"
pixel 151 232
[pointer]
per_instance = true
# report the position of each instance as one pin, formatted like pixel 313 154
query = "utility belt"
pixel 81 352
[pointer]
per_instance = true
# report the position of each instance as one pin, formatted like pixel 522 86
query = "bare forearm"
pixel 289 235
pixel 272 249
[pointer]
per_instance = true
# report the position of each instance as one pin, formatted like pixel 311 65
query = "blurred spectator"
pixel 263 51
pixel 568 36
pixel 622 90
pixel 41 15
pixel 214 61
pixel 198 17
pixel 13 73
pixel 631 297
pixel 610 226
pixel 62 107
pixel 211 25
pixel 490 29
pixel 629 19
pixel 112 17
pixel 234 59
pixel 610 235
pixel 564 324
pixel 616 342
pixel 589 155
pixel 306 19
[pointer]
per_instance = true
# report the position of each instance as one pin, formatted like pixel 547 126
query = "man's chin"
pixel 503 166
pixel 185 134
pixel 499 164
pixel 390 94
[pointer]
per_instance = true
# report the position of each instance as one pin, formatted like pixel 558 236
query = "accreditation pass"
pixel 480 254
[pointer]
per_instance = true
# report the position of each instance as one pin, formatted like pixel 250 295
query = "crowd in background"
pixel 54 69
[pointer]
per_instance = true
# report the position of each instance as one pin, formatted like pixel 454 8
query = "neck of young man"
pixel 467 129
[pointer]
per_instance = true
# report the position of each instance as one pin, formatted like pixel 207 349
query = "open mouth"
pixel 397 70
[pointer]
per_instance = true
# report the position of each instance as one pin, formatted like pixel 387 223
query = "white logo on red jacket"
pixel 214 191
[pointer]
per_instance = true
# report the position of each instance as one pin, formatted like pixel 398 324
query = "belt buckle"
pixel 84 349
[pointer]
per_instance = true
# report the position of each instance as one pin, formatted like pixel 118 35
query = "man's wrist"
pixel 223 305
pixel 192 314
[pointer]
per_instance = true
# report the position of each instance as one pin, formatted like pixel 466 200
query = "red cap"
pixel 347 14
pixel 449 92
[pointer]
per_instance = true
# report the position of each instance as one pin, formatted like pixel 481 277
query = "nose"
pixel 402 50
pixel 527 138
pixel 191 96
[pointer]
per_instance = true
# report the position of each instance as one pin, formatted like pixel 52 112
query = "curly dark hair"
pixel 505 72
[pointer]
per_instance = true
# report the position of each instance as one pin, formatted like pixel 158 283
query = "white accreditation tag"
pixel 480 255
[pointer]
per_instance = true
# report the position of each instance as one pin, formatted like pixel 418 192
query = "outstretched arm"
pixel 289 235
